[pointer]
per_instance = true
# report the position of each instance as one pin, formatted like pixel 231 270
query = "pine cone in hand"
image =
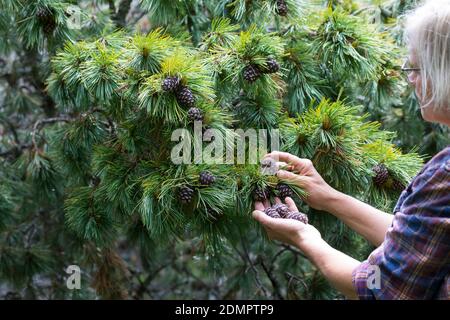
pixel 282 209
pixel 271 212
pixel 298 216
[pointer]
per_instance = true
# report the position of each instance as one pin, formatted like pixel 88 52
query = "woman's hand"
pixel 334 265
pixel 320 194
pixel 289 231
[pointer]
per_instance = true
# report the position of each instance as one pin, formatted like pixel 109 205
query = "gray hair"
pixel 428 35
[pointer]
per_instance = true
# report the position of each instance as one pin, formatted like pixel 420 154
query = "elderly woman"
pixel 412 260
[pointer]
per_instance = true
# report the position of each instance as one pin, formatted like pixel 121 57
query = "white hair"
pixel 428 36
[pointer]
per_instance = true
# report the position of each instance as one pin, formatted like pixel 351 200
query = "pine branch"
pixel 16 150
pixel 121 14
pixel 38 125
pixel 275 284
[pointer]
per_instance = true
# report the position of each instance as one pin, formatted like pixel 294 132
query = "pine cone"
pixel 213 213
pixel 272 66
pixel 298 216
pixel 195 114
pixel 381 174
pixel 185 194
pixel 260 194
pixel 170 84
pixel 47 20
pixel 398 186
pixel 251 73
pixel 271 212
pixel 185 97
pixel 282 209
pixel 282 8
pixel 284 190
pixel 206 178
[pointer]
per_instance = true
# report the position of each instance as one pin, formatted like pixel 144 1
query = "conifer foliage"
pixel 88 116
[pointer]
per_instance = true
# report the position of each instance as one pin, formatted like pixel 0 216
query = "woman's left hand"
pixel 289 231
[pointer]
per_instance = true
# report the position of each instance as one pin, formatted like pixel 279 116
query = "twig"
pixel 252 266
pixel 294 251
pixel 291 276
pixel 119 15
pixel 15 149
pixel 275 284
pixel 275 257
pixel 37 126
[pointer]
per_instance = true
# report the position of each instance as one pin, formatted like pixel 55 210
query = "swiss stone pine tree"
pixel 91 92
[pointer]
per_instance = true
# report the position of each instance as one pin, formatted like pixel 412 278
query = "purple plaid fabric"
pixel 413 262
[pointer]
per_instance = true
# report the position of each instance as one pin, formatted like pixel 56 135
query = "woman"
pixel 412 260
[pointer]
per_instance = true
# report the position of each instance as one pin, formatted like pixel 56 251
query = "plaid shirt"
pixel 413 262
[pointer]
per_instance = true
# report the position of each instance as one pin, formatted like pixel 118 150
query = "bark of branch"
pixel 275 284
pixel 37 126
pixel 120 16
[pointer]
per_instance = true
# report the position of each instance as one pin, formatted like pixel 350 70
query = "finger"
pixel 261 217
pixel 283 156
pixel 266 204
pixel 284 166
pixel 291 204
pixel 299 163
pixel 286 175
pixel 277 200
pixel 259 206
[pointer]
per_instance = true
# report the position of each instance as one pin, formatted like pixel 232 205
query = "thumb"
pixel 262 218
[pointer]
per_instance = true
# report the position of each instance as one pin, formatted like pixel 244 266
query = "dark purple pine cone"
pixel 381 174
pixel 251 73
pixel 284 190
pixel 282 9
pixel 206 178
pixel 185 194
pixel 298 216
pixel 282 209
pixel 398 186
pixel 47 20
pixel 170 84
pixel 185 97
pixel 272 66
pixel 271 212
pixel 213 213
pixel 260 194
pixel 195 114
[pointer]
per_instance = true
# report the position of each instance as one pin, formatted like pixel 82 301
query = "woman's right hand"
pixel 320 195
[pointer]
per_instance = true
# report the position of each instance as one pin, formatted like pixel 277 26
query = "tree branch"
pixel 121 15
pixel 275 284
pixel 37 126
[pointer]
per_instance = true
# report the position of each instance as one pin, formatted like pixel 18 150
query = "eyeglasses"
pixel 407 68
